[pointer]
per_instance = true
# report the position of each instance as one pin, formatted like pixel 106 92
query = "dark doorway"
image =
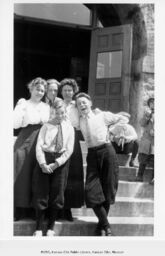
pixel 49 51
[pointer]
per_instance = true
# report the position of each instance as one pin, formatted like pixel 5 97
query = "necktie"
pixel 88 131
pixel 59 139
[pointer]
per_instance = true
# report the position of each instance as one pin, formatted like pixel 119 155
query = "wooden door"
pixel 110 68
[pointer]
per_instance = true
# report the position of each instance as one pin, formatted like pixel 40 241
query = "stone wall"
pixel 148 61
pixel 142 85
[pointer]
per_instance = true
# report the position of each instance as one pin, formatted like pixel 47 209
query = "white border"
pixel 154 245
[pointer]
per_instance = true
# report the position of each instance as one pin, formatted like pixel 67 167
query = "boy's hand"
pixel 53 166
pixel 46 169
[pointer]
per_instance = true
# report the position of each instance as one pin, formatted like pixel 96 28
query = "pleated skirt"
pixel 74 193
pixel 24 164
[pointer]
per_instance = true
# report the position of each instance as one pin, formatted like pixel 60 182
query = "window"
pixel 109 64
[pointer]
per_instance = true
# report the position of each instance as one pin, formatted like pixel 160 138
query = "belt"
pixel 99 147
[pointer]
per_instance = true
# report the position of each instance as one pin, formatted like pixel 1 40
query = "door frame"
pixel 126 70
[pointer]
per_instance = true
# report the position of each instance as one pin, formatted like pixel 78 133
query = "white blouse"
pixel 27 112
pixel 72 114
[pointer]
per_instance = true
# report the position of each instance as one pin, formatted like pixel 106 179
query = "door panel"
pixel 110 68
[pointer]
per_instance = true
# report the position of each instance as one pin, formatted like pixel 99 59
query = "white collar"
pixel 90 114
pixel 71 103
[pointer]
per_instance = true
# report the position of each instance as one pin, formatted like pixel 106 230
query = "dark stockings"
pixel 52 218
pixel 40 214
pixel 101 214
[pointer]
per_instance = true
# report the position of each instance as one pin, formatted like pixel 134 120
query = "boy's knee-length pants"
pixel 48 189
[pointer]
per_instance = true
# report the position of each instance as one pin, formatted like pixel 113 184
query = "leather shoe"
pixel 139 179
pixel 108 232
pixel 68 214
pixel 132 163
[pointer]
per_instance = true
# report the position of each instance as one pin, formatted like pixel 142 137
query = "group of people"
pixel 48 165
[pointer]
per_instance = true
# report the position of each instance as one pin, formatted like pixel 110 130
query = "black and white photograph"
pixel 79 160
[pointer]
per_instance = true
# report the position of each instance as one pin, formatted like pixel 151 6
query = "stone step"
pixel 123 159
pixel 124 206
pixel 130 173
pixel 135 189
pixel 86 226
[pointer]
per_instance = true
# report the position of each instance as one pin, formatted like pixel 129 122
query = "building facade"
pixel 107 48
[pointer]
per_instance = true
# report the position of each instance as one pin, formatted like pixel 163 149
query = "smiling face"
pixel 60 114
pixel 67 92
pixel 52 91
pixel 37 92
pixel 83 105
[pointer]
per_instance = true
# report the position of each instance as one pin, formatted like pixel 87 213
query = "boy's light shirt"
pixel 96 132
pixel 126 131
pixel 47 135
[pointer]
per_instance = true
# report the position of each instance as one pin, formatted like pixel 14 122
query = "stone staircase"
pixel 131 215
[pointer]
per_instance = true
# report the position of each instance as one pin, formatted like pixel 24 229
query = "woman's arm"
pixel 40 155
pixel 19 113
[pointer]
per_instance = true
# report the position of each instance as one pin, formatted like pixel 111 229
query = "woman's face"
pixel 67 92
pixel 37 92
pixel 52 91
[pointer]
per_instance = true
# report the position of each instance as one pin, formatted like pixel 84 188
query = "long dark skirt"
pixel 48 189
pixel 74 193
pixel 102 176
pixel 24 164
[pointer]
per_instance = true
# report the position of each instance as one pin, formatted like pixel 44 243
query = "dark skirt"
pixel 74 193
pixel 24 164
pixel 48 189
pixel 102 176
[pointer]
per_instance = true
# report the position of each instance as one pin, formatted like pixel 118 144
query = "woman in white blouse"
pixel 29 115
pixel 74 193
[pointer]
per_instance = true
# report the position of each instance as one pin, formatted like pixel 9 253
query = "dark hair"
pixel 83 94
pixel 150 100
pixel 71 82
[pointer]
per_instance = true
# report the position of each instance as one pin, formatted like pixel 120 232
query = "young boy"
pixel 146 145
pixel 54 148
pixel 102 167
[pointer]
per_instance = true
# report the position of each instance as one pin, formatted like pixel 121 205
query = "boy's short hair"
pixel 151 99
pixel 83 94
pixel 59 103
